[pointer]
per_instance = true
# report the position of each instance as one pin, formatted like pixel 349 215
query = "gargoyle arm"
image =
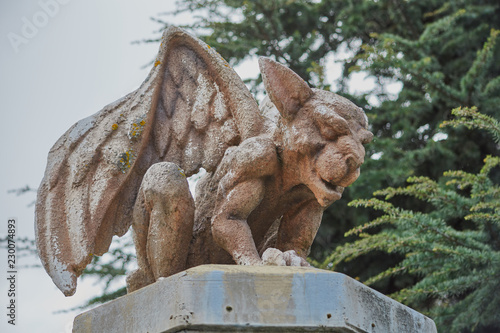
pixel 229 226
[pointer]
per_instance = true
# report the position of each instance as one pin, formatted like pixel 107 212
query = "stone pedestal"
pixel 224 298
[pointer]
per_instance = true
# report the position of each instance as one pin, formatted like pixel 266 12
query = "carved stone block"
pixel 230 298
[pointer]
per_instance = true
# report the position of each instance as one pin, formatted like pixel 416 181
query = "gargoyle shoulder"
pixel 254 157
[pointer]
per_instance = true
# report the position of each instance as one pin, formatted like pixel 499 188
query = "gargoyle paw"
pixel 293 259
pixel 273 257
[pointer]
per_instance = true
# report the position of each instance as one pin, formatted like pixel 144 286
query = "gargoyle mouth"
pixel 332 188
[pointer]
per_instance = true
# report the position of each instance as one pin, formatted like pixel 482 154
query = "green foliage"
pixel 456 265
pixel 473 119
pixel 299 33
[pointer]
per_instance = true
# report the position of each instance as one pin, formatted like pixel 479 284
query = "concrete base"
pixel 227 298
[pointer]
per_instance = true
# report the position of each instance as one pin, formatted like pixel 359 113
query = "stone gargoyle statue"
pixel 270 171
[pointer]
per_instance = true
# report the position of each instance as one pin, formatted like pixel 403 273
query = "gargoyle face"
pixel 327 136
pixel 324 131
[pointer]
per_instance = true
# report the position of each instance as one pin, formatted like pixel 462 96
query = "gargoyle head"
pixel 323 131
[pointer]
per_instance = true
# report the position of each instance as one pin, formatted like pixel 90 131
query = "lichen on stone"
pixel 136 127
pixel 125 160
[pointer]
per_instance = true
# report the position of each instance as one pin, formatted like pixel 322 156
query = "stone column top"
pixel 218 298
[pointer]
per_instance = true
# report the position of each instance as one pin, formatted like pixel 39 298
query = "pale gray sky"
pixel 61 61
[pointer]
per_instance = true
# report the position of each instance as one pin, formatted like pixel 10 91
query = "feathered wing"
pixel 190 109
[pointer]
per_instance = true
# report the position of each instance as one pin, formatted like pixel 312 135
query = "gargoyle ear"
pixel 285 88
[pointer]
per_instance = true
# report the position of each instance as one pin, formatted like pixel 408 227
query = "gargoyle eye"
pixel 331 130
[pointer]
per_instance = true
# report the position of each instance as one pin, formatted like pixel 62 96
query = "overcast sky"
pixel 61 61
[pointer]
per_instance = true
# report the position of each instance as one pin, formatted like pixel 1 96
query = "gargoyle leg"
pixel 299 227
pixel 163 224
pixel 143 275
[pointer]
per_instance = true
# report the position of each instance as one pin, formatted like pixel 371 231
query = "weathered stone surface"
pixel 218 298
pixel 271 172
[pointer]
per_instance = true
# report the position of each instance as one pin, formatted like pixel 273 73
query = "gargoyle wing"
pixel 190 109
